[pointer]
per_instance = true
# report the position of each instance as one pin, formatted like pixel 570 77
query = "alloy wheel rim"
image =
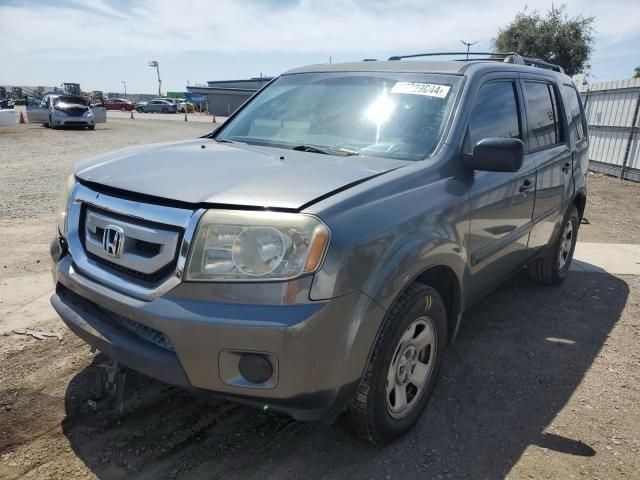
pixel 411 367
pixel 566 243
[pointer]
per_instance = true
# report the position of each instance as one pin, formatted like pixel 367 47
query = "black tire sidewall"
pixel 385 426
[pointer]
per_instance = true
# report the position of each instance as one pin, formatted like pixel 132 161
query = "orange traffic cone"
pixel 21 118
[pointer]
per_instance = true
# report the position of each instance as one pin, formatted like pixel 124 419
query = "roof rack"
pixel 506 57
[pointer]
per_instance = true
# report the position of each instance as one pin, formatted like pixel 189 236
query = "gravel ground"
pixel 541 383
pixel 613 210
pixel 35 160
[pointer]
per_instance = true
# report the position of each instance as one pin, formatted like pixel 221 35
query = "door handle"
pixel 566 167
pixel 526 186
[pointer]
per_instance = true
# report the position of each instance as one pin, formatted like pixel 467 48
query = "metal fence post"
pixel 632 132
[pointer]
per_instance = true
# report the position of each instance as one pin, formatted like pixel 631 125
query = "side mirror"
pixel 496 155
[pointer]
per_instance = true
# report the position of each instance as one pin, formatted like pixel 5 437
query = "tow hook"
pixel 110 387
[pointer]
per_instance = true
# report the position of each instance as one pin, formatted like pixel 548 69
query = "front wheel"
pixel 553 268
pixel 91 127
pixel 403 368
pixel 165 110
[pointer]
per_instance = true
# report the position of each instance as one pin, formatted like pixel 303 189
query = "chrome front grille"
pixel 143 250
pixel 156 240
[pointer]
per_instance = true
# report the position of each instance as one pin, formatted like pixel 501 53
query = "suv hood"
pixel 204 171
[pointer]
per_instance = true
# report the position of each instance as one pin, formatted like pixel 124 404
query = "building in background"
pixel 223 97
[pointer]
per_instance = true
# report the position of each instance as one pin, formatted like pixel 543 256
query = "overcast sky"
pixel 98 43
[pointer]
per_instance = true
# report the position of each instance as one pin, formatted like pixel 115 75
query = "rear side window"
pixel 494 115
pixel 576 120
pixel 542 115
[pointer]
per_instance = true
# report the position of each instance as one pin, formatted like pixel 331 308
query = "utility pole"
pixel 154 63
pixel 125 87
pixel 468 46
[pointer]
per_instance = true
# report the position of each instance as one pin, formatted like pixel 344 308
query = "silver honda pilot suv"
pixel 315 254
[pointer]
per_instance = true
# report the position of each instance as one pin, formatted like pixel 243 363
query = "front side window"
pixel 393 115
pixel 542 115
pixel 495 114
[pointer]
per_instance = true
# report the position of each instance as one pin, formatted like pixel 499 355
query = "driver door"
pixel 501 203
pixel 99 114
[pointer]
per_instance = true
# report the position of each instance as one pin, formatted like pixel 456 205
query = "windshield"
pixel 394 115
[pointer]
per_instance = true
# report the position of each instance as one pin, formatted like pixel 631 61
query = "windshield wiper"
pixel 323 151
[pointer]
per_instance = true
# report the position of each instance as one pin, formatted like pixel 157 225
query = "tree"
pixel 555 38
pixel 636 72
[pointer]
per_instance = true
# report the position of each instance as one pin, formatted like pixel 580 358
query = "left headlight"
pixel 63 205
pixel 256 246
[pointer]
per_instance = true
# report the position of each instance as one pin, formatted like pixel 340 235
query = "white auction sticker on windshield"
pixel 416 88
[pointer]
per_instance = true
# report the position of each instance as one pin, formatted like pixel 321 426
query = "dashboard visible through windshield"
pixel 393 115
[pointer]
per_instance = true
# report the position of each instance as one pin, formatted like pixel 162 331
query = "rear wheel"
pixel 403 368
pixel 165 110
pixel 91 127
pixel 123 109
pixel 553 268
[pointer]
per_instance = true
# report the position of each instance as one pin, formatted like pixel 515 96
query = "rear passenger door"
pixel 547 148
pixel 501 203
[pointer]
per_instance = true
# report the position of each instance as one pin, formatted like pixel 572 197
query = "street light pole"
pixel 125 87
pixel 468 46
pixel 155 63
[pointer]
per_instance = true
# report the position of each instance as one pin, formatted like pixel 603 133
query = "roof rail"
pixel 506 57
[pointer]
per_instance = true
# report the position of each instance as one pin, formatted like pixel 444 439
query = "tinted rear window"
pixel 576 121
pixel 542 115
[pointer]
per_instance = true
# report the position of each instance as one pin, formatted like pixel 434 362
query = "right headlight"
pixel 256 246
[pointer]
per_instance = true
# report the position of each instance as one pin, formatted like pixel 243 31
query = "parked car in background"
pixel 158 106
pixel 184 104
pixel 315 254
pixel 181 103
pixel 58 109
pixel 139 106
pixel 5 103
pixel 118 104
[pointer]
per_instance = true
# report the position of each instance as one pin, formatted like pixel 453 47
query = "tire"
pixel 140 110
pixel 91 127
pixel 376 412
pixel 123 109
pixel 165 110
pixel 554 267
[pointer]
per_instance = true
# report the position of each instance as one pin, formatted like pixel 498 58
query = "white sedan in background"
pixel 64 110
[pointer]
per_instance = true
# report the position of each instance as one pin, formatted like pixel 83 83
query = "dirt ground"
pixel 541 383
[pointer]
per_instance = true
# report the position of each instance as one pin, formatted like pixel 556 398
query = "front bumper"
pixel 73 121
pixel 320 348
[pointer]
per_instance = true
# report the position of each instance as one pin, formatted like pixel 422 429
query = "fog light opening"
pixel 255 368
